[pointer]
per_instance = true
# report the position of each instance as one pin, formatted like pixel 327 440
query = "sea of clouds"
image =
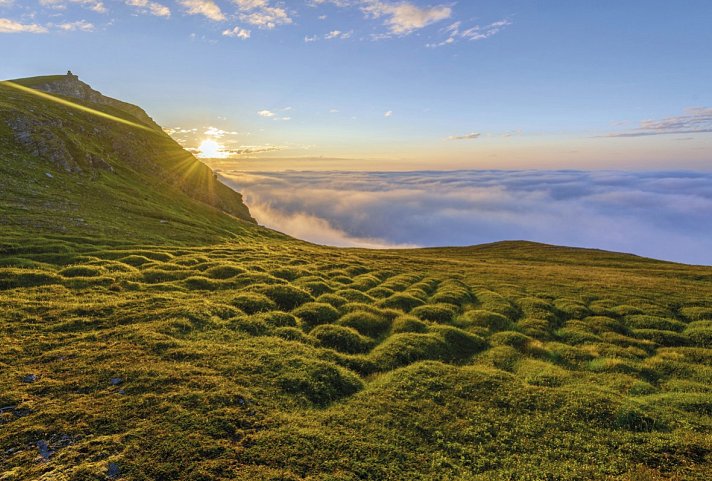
pixel 664 215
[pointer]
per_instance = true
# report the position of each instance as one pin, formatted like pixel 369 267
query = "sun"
pixel 210 149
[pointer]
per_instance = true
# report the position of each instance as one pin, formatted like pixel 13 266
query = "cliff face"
pixel 88 146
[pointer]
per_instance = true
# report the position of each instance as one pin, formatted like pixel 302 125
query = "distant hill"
pixel 151 330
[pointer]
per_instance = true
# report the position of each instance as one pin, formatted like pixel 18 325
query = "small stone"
pixel 113 471
pixel 29 378
pixel 115 381
pixel 49 175
pixel 44 449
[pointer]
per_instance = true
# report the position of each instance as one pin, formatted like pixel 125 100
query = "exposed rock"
pixel 29 378
pixel 40 139
pixel 98 163
pixel 113 471
pixel 44 449
pixel 69 85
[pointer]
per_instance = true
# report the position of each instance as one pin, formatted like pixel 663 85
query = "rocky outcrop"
pixel 41 140
pixel 45 138
pixel 70 86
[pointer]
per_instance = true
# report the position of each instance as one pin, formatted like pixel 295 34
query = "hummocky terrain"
pixel 150 330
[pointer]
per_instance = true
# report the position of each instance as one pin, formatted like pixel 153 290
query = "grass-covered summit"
pixel 147 333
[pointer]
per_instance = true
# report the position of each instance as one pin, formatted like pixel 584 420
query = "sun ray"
pixel 68 103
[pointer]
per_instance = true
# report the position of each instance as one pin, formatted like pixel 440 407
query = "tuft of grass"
pixel 313 314
pixel 366 323
pixel 252 302
pixel 341 338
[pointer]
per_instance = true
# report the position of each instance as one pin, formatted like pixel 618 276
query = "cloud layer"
pixel 665 215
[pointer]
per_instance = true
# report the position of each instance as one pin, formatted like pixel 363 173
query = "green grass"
pixel 208 348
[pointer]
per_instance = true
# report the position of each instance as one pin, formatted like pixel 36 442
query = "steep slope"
pixel 69 85
pixel 74 167
pixel 145 335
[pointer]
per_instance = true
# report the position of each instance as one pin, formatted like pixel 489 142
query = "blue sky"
pixel 392 85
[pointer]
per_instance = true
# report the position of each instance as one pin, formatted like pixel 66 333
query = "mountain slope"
pixel 146 335
pixel 75 168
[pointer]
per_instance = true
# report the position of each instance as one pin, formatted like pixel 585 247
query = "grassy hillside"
pixel 207 348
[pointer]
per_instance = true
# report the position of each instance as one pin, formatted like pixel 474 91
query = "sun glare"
pixel 210 149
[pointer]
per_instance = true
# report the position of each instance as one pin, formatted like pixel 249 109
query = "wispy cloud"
pixel 80 25
pixel 94 5
pixel 695 120
pixel 403 18
pixel 262 14
pixel 10 26
pixel 206 8
pixel 218 133
pixel 332 35
pixel 470 136
pixel 237 32
pixel 338 34
pixel 664 215
pixel 266 113
pixel 388 114
pixel 456 32
pixel 400 18
pixel 147 6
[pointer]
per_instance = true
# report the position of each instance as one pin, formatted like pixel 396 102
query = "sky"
pixel 393 85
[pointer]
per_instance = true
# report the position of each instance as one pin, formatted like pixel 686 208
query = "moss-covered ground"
pixel 276 359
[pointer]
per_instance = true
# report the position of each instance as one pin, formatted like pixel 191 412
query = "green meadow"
pixel 149 333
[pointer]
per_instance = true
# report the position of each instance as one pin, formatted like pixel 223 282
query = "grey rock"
pixel 113 471
pixel 44 449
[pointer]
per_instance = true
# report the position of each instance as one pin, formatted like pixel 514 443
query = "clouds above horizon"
pixel 234 18
pixel 665 215
pixel 695 120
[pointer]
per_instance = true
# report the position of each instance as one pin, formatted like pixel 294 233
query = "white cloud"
pixel 154 8
pixel 338 34
pixel 400 17
pixel 80 25
pixel 267 18
pixel 266 113
pixel 403 18
pixel 388 114
pixel 10 26
pixel 470 136
pixel 333 35
pixel 94 5
pixel 658 214
pixel 262 14
pixel 6 3
pixel 206 8
pixel 237 32
pixel 218 133
pixel 456 32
